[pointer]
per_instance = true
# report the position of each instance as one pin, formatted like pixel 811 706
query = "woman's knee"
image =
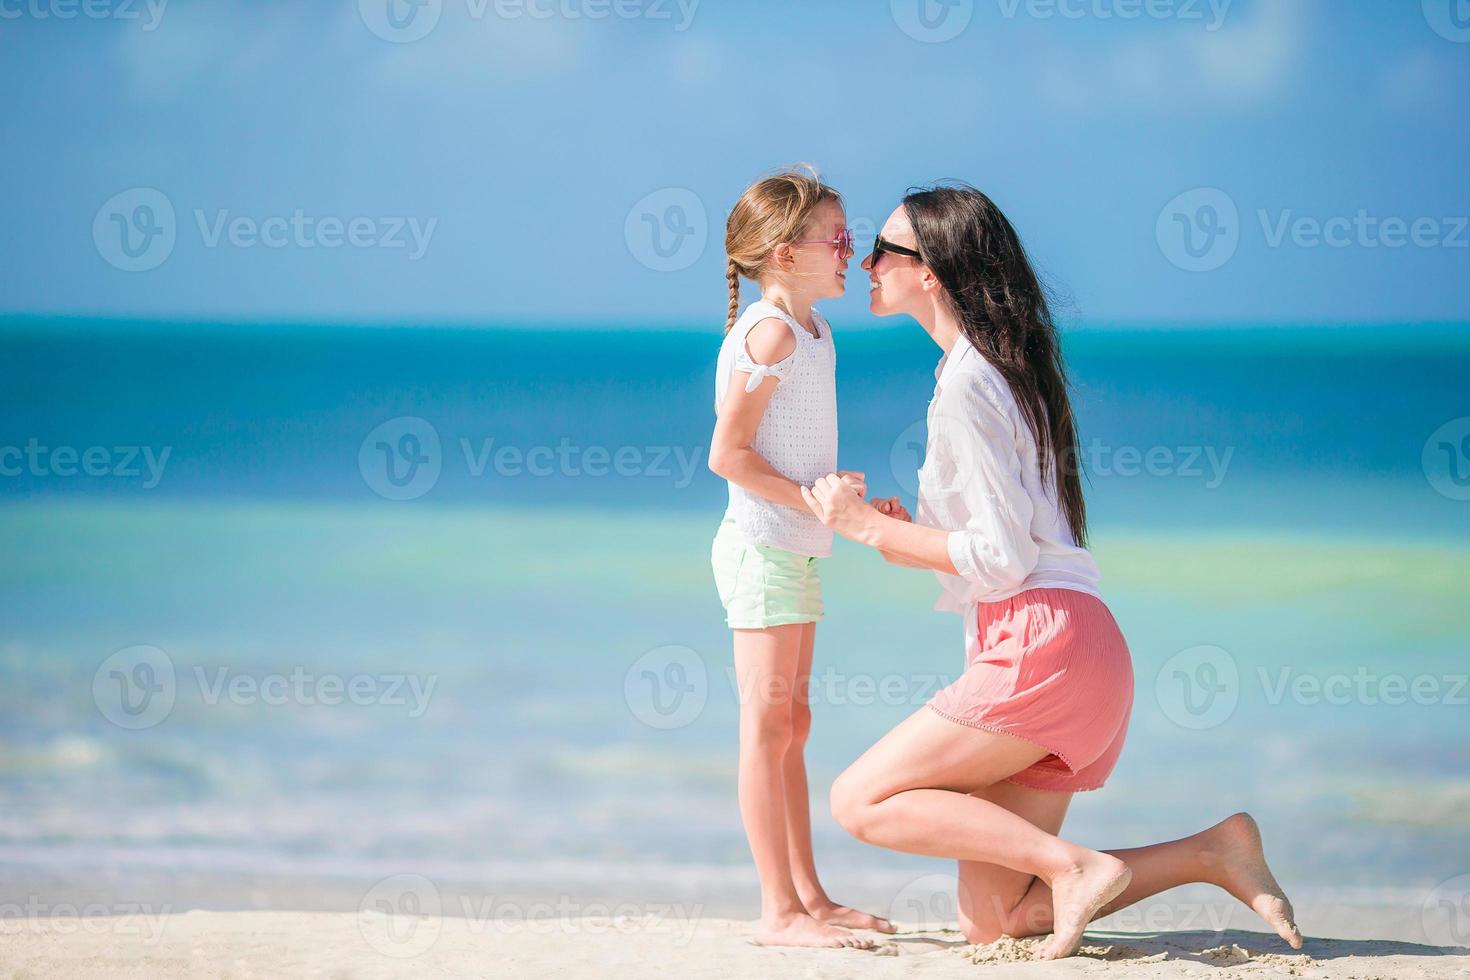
pixel 852 803
pixel 991 906
pixel 980 929
pixel 984 918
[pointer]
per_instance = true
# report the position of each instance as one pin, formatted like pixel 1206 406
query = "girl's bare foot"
pixel 841 915
pixel 1234 850
pixel 800 929
pixel 1076 895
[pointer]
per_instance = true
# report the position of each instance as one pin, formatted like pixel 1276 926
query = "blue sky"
pixel 1167 161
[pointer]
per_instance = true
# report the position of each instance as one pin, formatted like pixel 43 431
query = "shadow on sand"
pixel 1205 947
pixel 1239 946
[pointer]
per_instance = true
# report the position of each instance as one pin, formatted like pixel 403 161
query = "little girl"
pixel 776 431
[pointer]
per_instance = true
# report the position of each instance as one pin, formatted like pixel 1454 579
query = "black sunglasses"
pixel 881 244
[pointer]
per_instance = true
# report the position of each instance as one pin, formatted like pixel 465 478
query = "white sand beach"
pixel 369 945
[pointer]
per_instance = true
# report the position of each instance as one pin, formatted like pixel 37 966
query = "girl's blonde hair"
pixel 771 211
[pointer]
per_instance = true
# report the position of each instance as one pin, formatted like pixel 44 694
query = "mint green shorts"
pixel 761 586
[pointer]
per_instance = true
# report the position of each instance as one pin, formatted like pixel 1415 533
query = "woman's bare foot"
pixel 1076 895
pixel 1233 849
pixel 801 929
pixel 841 915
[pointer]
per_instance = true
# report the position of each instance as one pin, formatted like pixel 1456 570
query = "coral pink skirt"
pixel 1049 666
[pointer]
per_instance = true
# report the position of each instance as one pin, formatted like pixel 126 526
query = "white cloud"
pixel 696 60
pixel 1255 59
pixel 229 44
pixel 473 47
pixel 1181 66
pixel 1417 81
pixel 162 63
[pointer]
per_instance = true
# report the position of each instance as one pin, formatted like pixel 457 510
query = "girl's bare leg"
pixel 911 792
pixel 798 809
pixel 765 670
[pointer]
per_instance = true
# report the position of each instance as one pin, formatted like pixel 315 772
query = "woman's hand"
pixel 881 524
pixel 839 506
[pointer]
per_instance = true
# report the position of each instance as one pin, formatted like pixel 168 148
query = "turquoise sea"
pixel 286 609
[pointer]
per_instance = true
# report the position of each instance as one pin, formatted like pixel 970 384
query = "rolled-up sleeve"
pixel 995 549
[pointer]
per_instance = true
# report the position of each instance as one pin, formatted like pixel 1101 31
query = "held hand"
pixel 856 480
pixel 891 507
pixel 837 505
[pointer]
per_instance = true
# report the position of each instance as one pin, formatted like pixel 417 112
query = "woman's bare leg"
pixel 798 809
pixel 993 900
pixel 765 672
pixel 911 792
pixel 1228 855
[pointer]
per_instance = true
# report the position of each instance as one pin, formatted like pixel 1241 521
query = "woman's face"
pixel 896 281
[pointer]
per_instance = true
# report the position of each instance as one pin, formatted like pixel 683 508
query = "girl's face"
pixel 896 282
pixel 821 269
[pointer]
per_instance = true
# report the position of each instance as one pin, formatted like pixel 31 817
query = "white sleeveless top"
pixel 798 433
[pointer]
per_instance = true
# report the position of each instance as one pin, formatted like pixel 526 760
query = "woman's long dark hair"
pixel 972 249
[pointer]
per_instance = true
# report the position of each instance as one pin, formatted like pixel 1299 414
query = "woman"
pixel 985 771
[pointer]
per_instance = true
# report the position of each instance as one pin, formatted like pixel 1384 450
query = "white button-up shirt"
pixel 981 481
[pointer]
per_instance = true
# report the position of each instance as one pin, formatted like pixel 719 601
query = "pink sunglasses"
pixel 842 243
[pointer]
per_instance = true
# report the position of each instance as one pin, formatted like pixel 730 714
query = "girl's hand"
pixel 838 506
pixel 891 507
pixel 856 480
